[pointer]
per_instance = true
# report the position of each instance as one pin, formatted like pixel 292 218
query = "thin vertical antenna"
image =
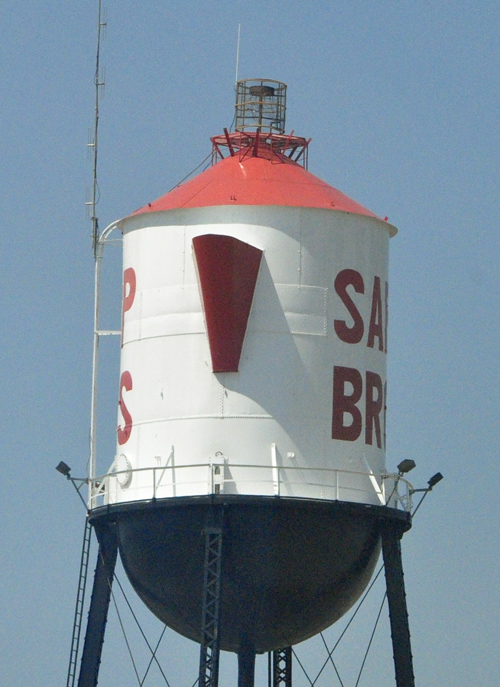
pixel 99 86
pixel 97 248
pixel 237 56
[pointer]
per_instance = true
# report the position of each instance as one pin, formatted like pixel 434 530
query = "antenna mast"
pixel 99 82
pixel 237 57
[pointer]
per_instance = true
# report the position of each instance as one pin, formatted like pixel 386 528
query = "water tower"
pixel 248 498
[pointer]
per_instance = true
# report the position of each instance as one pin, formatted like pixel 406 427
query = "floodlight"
pixel 63 469
pixel 406 466
pixel 435 479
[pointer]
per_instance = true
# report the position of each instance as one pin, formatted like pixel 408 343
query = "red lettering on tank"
pixel 129 289
pixel 345 403
pixel 376 328
pixel 373 408
pixel 124 433
pixel 353 334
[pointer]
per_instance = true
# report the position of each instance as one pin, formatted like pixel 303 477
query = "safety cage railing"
pixel 144 484
pixel 260 104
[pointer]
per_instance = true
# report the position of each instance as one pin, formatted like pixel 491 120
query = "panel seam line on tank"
pixel 258 331
pixel 202 417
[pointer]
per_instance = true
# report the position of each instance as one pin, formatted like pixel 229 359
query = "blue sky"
pixel 402 102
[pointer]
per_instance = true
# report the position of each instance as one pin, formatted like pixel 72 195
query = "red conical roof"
pixel 266 179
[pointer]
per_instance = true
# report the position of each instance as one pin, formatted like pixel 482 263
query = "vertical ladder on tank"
pixel 280 668
pixel 80 598
pixel 212 574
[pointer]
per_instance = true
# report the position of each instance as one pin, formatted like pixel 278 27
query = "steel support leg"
pixel 246 666
pixel 398 614
pixel 209 645
pixel 99 605
pixel 281 667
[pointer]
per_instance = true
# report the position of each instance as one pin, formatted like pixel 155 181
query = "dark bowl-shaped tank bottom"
pixel 291 567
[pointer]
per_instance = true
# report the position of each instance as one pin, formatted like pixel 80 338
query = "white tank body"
pixel 252 396
pixel 304 414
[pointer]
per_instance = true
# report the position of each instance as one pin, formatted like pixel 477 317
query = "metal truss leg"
pixel 99 605
pixel 209 645
pixel 281 668
pixel 398 614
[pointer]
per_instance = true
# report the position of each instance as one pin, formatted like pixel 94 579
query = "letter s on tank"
pixel 345 278
pixel 125 431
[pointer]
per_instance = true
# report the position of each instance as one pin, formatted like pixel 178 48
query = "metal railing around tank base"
pixel 145 484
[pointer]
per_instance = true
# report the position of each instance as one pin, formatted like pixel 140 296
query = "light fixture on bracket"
pixel 406 465
pixel 65 470
pixel 430 485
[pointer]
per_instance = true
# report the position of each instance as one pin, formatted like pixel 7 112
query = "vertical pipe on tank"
pixel 95 360
pixel 99 250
